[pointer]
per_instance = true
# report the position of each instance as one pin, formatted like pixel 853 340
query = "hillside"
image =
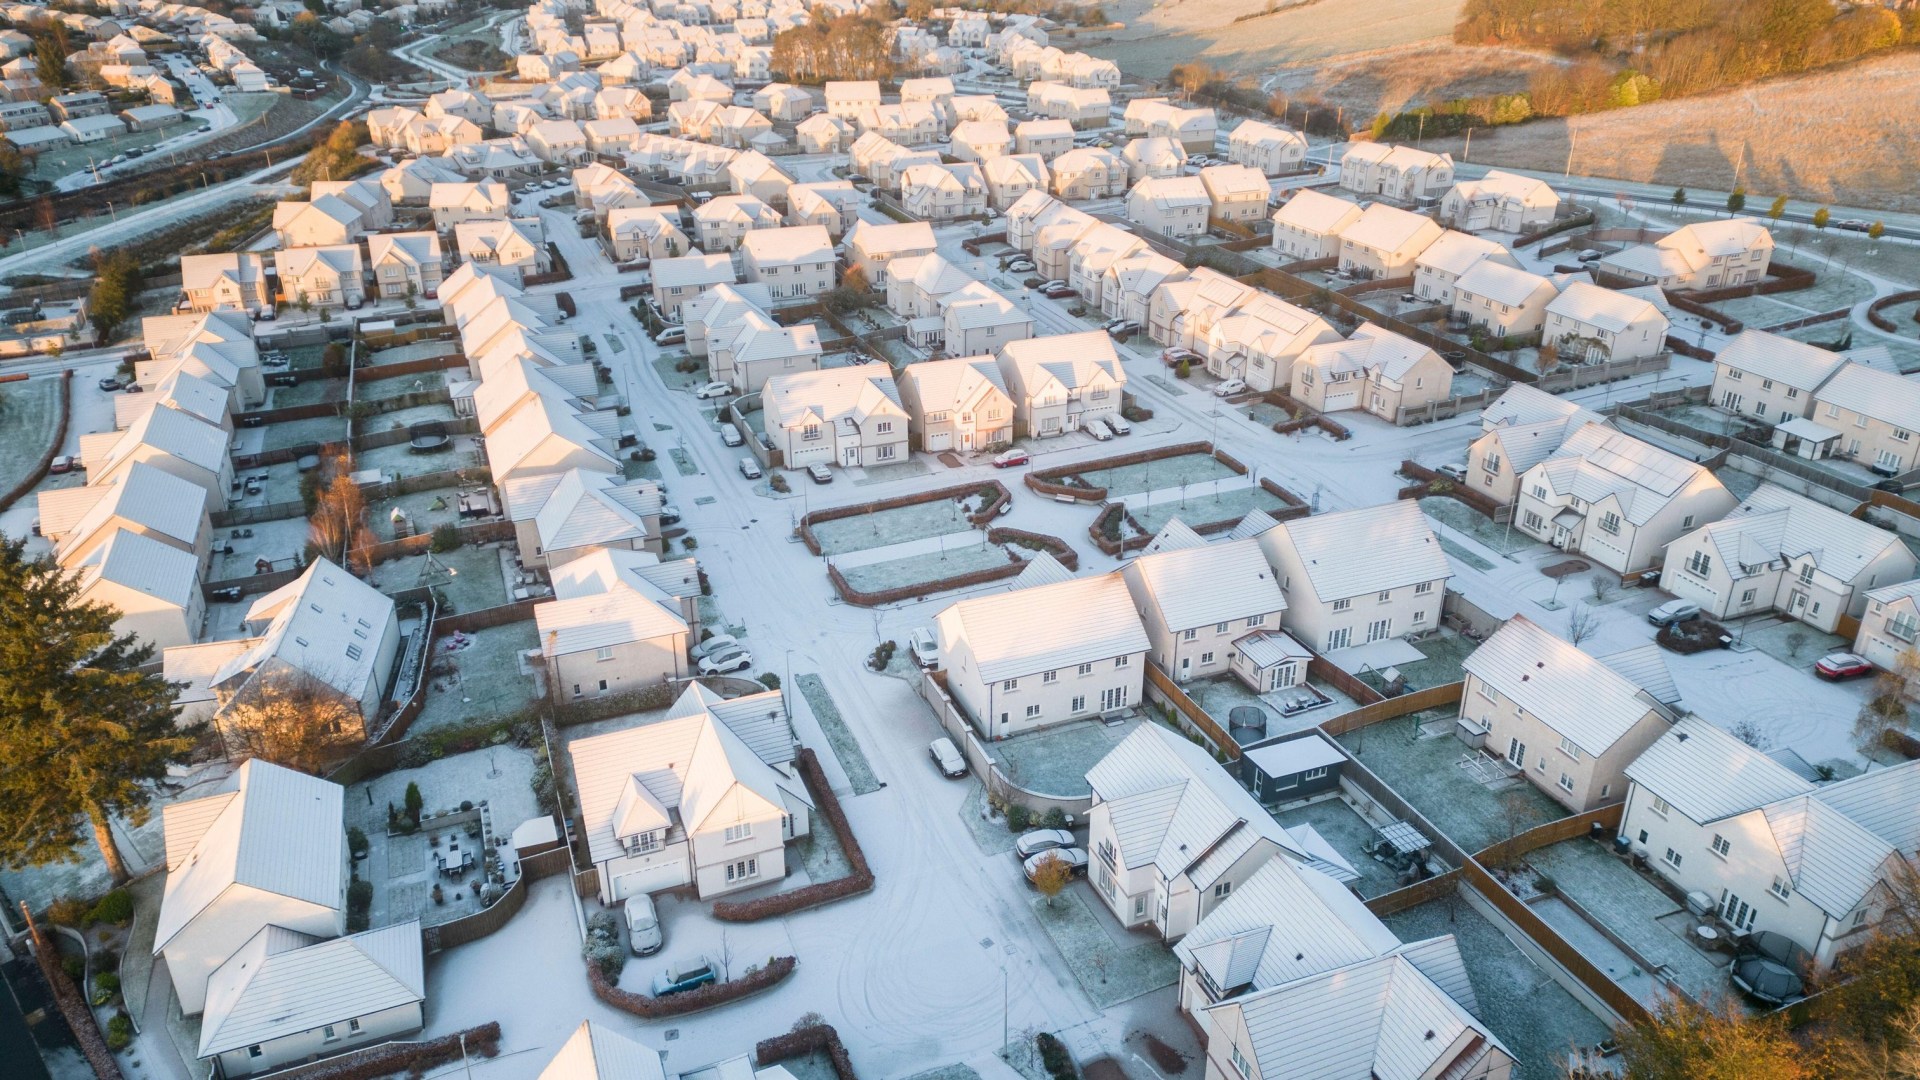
pixel 1158 36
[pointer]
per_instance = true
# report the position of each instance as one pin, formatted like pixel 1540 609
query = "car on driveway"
pixel 1059 292
pixel 1673 611
pixel 1039 840
pixel 1454 471
pixel 718 643
pixel 110 383
pixel 683 975
pixel 1019 266
pixel 749 468
pixel 643 926
pixel 1229 387
pixel 947 757
pixel 713 390
pixel 61 464
pixel 926 651
pixel 1118 423
pixel 819 473
pixel 672 335
pixel 1009 458
pixel 1172 357
pixel 1075 858
pixel 727 660
pixel 1125 328
pixel 1835 667
pixel 1054 283
pixel 1097 428
pixel 730 436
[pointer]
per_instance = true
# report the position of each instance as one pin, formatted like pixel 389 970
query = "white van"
pixel 643 926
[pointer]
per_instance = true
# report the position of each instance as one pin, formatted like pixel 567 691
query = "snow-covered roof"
pixel 1605 309
pixel 620 615
pixel 1366 550
pixel 1500 283
pixel 601 1053
pixel 1707 774
pixel 1596 462
pixel 791 244
pixel 326 623
pixel 1389 228
pixel 1872 392
pixel 1295 755
pixel 1569 691
pixel 1284 922
pixel 1837 839
pixel 144 565
pixel 688 270
pixel 1049 627
pixel 1454 252
pixel 1776 524
pixel 1212 583
pixel 152 498
pixel 283 982
pixel 1781 359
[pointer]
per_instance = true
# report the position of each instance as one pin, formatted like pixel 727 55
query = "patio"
pixel 1340 825
pixel 1425 769
pixel 1219 695
pixel 1442 654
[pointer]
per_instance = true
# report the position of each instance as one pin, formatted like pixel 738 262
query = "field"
pixel 1389 80
pixel 1181 31
pixel 1836 136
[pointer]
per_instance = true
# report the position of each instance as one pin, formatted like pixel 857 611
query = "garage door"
pixel 939 441
pixel 1342 400
pixel 666 874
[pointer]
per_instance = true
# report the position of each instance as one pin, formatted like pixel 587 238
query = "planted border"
pixel 1052 544
pixel 959 491
pixel 858 881
pixel 1046 481
pixel 709 996
pixel 39 473
pixel 802 1041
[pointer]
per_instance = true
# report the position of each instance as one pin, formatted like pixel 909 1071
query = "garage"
pixel 938 441
pixel 1342 399
pixel 670 872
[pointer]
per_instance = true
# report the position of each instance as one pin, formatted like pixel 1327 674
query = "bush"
pixel 359 903
pixel 1544 885
pixel 602 947
pixel 687 365
pixel 68 911
pixel 105 986
pixel 74 966
pixel 1054 818
pixel 809 1035
pixel 116 907
pixel 1055 1056
pixel 1018 817
pixel 1184 371
pixel 119 1032
pixel 770 681
pixel 357 845
pixel 706 997
pixel 778 482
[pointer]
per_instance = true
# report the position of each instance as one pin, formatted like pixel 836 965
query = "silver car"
pixel 1075 858
pixel 1039 840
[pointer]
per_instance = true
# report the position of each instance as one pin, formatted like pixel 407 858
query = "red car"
pixel 1011 458
pixel 1842 665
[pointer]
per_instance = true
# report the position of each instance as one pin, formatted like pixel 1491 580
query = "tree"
pixel 1778 208
pixel 1737 201
pixel 1821 217
pixel 337 525
pixel 1679 196
pixel 115 284
pixel 50 57
pixel 291 718
pixel 414 802
pixel 1051 876
pixel 1581 623
pixel 83 732
pixel 1876 230
pixel 1686 1041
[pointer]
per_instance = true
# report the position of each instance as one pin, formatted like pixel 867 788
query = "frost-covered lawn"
pixel 402 461
pixel 1108 971
pixel 1776 703
pixel 663 364
pixel 915 569
pixel 989 831
pixel 846 747
pixel 1444 652
pixel 1790 641
pixel 1349 833
pixel 1221 693
pixel 1202 509
pixel 311 392
pixel 899 525
pixel 1628 905
pixel 323 429
pixel 1156 475
pixel 883 474
pixel 467 578
pixel 423 509
pixel 1530 1013
pixel 1055 761
pixel 1426 773
pixel 1460 517
pixel 1460 552
pixel 487 678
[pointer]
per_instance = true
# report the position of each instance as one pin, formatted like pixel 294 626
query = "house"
pixel 1049 230
pixel 907 123
pixel 1375 370
pixel 1384 242
pixel 151 117
pixel 1275 151
pixel 621 102
pixel 645 232
pixel 1355 576
pixel 886 161
pixel 1499 202
pixel 1172 834
pixel 548 436
pixel 486 200
pixel 286 996
pixel 1778 551
pixel 846 99
pixel 1239 192
pixel 721 223
pixel 1156 157
pixel 1083 107
pixel 603 568
pixel 705 797
pixel 1096 250
pixel 848 416
pixel 1569 722
pixel 1176 206
pixel 824 133
pixel 975 320
pixel 1291 976
pixel 1252 336
pixel 1309 225
pixel 152 585
pixel 1818 863
pixel 561 516
pixel 958 404
pixel 611 136
pixel 1401 173
pixel 323 277
pixel 754 174
pixel 326 220
pixel 1522 428
pixel 602 190
pixel 1195 129
pixel 1198 599
pixel 968 31
pixel 235 281
pixel 918 284
pixel 610 638
pixel 1703 255
pixel 793 262
pixel 1057 382
pixel 405 264
pixel 145 500
pixel 784 101
pixel 677 280
pixel 943 192
pixel 1009 680
pixel 1592 325
pixel 1009 178
pixel 743 345
pixel 88 129
pixel 366 196
pixel 1770 377
pixel 981 141
pixel 1128 285
pixel 1044 137
pixel 1875 413
pixel 215 344
pixel 1500 299
pixel 870 247
pixel 1887 631
pixel 834 205
pixel 1438 268
pixel 268 850
pixel 1088 172
pixel 600 1053
pixel 1616 500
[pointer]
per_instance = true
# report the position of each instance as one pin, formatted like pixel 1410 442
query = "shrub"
pixel 357 844
pixel 1055 1056
pixel 446 537
pixel 116 907
pixel 1019 817
pixel 706 997
pixel 68 911
pixel 119 1032
pixel 1185 370
pixel 1544 885
pixel 778 482
pixel 1054 818
pixel 770 681
pixel 359 903
pixel 105 985
pixel 602 947
pixel 687 365
pixel 414 802
pixel 74 966
pixel 810 1034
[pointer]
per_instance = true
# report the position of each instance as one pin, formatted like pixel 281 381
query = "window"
pixel 810 431
pixel 1747 598
pixel 1010 685
pixel 1780 888
pixel 1721 845
pixel 1086 669
pixel 1566 783
pixel 1033 712
pixel 1491 464
pixel 1079 703
pixel 743 870
pixel 328 1034
pixel 1532 520
pixel 1903 626
pixel 884 453
pixel 1423 588
pixel 1239 1061
pixel 1699 564
pixel 1568 747
pixel 254 1050
pixel 1385 596
pixel 1255 620
pixel 1660 806
pixel 1188 635
pixel 1049 677
pixel 1206 658
pixel 604 652
pixel 737 833
pixel 353 1026
pixel 1806 574
pixel 1314 774
pixel 1539 491
pixel 1687 522
pixel 1610 522
pixel 1222 889
pixel 883 427
pixel 1342 605
pixel 1122 661
pixel 1672 858
pixel 1902 435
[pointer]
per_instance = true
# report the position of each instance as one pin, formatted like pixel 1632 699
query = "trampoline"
pixel 428 437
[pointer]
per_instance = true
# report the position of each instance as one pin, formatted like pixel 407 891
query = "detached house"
pixel 1384 242
pixel 1197 600
pixel 1778 551
pixel 1009 680
pixel 517 245
pixel 1703 255
pixel 1499 202
pixel 1309 225
pixel 1045 137
pixel 943 192
pixel 1010 177
pixel 1158 157
pixel 1770 377
pixel 848 416
pixel 870 247
pixel 1375 370
pixel 1888 629
pixel 677 280
pixel 1502 300
pixel 1176 206
pixel 723 222
pixel 405 264
pixel 793 262
pixel 1355 576
pixel 706 797
pixel 1522 428
pixel 1439 268
pixel 1239 193
pixel 1059 381
pixel 1876 414
pixel 1273 150
pixel 959 404
pixel 1592 325
pixel 325 277
pixel 744 346
pixel 236 281
pixel 1569 722
pixel 455 203
pixel 600 638
pixel 646 232
pixel 1616 500
pixel 1401 173
pixel 1817 863
pixel 152 585
pixel 1089 172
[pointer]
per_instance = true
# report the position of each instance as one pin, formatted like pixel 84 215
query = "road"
pixel 415 52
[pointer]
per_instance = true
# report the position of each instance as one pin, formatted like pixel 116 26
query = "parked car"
pixel 136 388
pixel 1835 667
pixel 110 383
pixel 1455 471
pixel 1054 283
pixel 669 514
pixel 1060 292
pixel 947 756
pixel 1229 387
pixel 819 473
pixel 1589 255
pixel 1673 611
pixel 1009 458
pixel 730 436
pixel 1118 423
pixel 1894 486
pixel 1854 224
pixel 926 651
pixel 1093 426
pixel 716 644
pixel 61 464
pixel 713 390
pixel 1075 858
pixel 672 335
pixel 749 468
pixel 1125 328
pixel 1172 357
pixel 643 926
pixel 722 662
pixel 684 975
pixel 1039 840
pixel 1019 266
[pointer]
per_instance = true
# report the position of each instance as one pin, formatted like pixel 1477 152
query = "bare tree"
pixel 291 718
pixel 1603 584
pixel 724 957
pixel 1581 623
pixel 338 522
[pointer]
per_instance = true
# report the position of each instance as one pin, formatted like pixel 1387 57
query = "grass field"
pixel 29 416
pixel 1180 31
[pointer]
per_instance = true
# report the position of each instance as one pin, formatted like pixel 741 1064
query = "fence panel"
pixel 1433 697
pixel 1159 682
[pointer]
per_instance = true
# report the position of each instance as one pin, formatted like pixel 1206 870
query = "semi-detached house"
pixel 1197 600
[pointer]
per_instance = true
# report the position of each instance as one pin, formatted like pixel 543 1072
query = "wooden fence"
pixel 1432 697
pixel 1161 684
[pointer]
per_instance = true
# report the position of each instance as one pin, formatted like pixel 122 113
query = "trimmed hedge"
pixel 806 1040
pixel 414 1058
pixel 956 493
pixel 1012 567
pixel 1046 481
pixel 690 1001
pixel 857 881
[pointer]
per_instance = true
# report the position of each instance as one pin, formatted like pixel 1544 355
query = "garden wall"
pixel 1882 303
pixel 706 997
pixel 1052 544
pixel 1160 685
pixel 389 1058
pixel 806 1040
pixel 858 880
pixel 986 514
pixel 485 921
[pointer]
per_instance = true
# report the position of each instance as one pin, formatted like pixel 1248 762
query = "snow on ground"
pixel 1424 770
pixel 1055 761
pixel 899 525
pixel 1628 905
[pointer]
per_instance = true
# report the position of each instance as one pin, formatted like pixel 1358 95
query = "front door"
pixel 966 440
pixel 1186 667
pixel 1797 603
pixel 1517 753
pixel 850 456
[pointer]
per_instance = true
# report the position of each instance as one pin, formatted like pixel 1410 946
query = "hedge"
pixel 415 1058
pixel 806 1040
pixel 690 1001
pixel 995 488
pixel 1014 565
pixel 857 881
